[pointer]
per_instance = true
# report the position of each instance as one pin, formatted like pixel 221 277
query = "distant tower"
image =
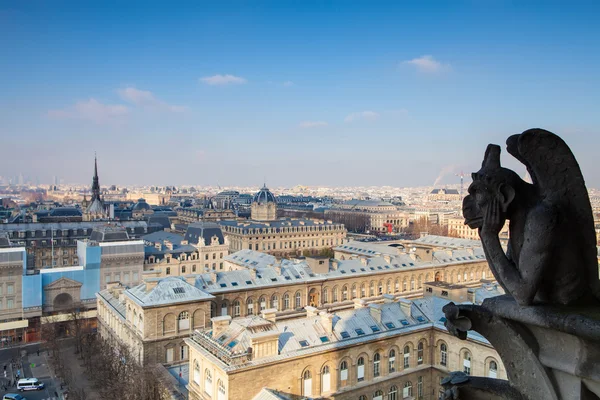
pixel 95 209
pixel 95 182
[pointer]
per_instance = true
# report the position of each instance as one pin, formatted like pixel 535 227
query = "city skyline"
pixel 321 95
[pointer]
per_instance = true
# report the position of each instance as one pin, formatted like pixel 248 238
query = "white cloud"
pixel 288 83
pixel 91 110
pixel 223 80
pixel 361 115
pixel 427 64
pixel 313 124
pixel 145 98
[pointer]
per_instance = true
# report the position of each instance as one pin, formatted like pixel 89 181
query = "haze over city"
pixel 310 93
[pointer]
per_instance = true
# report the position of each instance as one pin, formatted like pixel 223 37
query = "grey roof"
pixel 96 207
pixel 169 290
pixel 486 291
pixel 367 203
pixel 368 248
pixel 141 205
pixel 4 240
pixel 65 212
pixel 270 394
pixel 109 233
pixel 447 191
pixel 42 226
pixel 205 230
pixel 448 241
pixel 11 255
pixel 279 224
pixel 264 195
pixel 161 219
pixel 161 236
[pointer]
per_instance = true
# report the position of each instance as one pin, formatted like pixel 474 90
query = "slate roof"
pixel 447 241
pixel 169 290
pixel 278 225
pixel 270 394
pixel 264 195
pixel 204 230
pixel 65 212
pixel 447 191
pixel 4 240
pixel 367 203
pixel 109 233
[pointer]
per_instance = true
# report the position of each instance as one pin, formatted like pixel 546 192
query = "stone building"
pixel 202 249
pixel 264 206
pixel 391 350
pixel 369 216
pixel 444 195
pixel 95 209
pixel 12 268
pixel 154 318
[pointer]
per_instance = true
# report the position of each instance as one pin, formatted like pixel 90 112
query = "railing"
pixel 223 353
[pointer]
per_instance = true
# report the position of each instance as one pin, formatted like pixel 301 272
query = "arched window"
pixel 223 308
pixel 396 286
pixel 392 361
pixel 250 306
pixel 492 369
pixel 344 371
pixel 334 294
pixel 420 387
pixel 376 362
pixel 389 286
pixel 465 276
pixel 353 291
pixel 141 323
pixel 407 391
pixel 220 390
pixel 360 369
pixel 420 281
pixel 404 285
pixel 362 397
pixel 298 300
pixel 363 290
pixel 286 301
pixel 344 293
pixel 378 395
pixel 372 289
pixel 168 271
pixel 443 354
pixel 307 384
pixel 393 394
pixel 325 296
pixel 208 382
pixel 380 288
pixel 467 362
pixel 420 353
pixel 483 275
pixel 262 303
pixel 412 283
pixel 472 275
pixel 275 302
pixel 184 320
pixel 406 357
pixel 134 318
pixel 236 308
pixel 326 380
pixel 196 373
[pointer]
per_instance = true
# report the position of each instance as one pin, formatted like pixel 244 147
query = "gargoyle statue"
pixel 551 256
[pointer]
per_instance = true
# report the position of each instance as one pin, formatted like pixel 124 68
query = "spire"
pixel 95 182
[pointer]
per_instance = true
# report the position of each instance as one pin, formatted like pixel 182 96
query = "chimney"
pixel 151 283
pixel 219 325
pixel 327 321
pixel 191 279
pixel 363 260
pixel 277 269
pixel 334 265
pixel 375 310
pixel 388 298
pixel 405 306
pixel 270 314
pixel 359 303
pixel 387 258
pixel 168 244
pixel 471 296
pixel 214 276
pixel 311 311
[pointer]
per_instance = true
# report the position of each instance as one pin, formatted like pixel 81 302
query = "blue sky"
pixel 313 93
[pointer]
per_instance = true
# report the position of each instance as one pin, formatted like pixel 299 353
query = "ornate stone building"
pixel 369 215
pixel 264 206
pixel 444 195
pixel 95 210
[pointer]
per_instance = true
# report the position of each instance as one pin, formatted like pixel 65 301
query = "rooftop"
pixel 169 290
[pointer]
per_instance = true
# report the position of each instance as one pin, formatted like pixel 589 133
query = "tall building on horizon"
pixel 95 209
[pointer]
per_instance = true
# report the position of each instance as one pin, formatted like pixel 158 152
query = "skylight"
pixel 303 343
pixel 234 283
pixel 404 322
pixel 248 282
pixel 179 290
pixel 375 328
pixel 324 339
pixel 359 331
pixel 420 319
pixel 345 335
pixel 390 325
pixel 223 285
pixel 232 344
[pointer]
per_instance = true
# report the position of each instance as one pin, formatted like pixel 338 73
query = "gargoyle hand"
pixel 493 220
pixel 456 324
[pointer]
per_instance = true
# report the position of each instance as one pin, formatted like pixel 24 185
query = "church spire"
pixel 95 182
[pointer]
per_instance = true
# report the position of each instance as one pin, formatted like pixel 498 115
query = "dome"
pixel 264 195
pixel 141 205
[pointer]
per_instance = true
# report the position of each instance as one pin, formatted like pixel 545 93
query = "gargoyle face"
pixel 475 204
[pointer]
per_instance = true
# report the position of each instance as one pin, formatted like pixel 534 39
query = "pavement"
pixel 31 362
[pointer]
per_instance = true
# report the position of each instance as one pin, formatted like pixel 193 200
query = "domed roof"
pixel 141 205
pixel 264 195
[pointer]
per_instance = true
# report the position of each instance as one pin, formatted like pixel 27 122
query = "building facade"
pixel 369 216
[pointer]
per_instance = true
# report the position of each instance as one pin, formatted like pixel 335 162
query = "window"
pixel 407 391
pixel 107 278
pixel 298 300
pixel 406 357
pixel 443 354
pixel 10 289
pixel 492 369
pixel 220 390
pixel 344 371
pixel 10 303
pixel 193 268
pixel 354 291
pixel 380 288
pixel 420 387
pixel 420 353
pixel 262 303
pixel 286 301
pixel 412 283
pixel 392 361
pixel 372 289
pixel 208 382
pixel 275 302
pixel 184 321
pixel 376 362
pixel 326 380
pixel 393 395
pixel 184 352
pixel 196 373
pixel 363 397
pixel 307 386
pixel 334 294
pixel 117 277
pixel 236 308
pixel 404 285
pixel 363 290
pixel 168 272
pixel 344 293
pixel 223 309
pixel 325 296
pixel 360 369
pixel 170 355
pixel 250 306
pixel 378 395
pixel 467 363
pixel 183 269
pixel 135 276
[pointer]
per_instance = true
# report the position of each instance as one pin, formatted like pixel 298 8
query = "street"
pixel 32 366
